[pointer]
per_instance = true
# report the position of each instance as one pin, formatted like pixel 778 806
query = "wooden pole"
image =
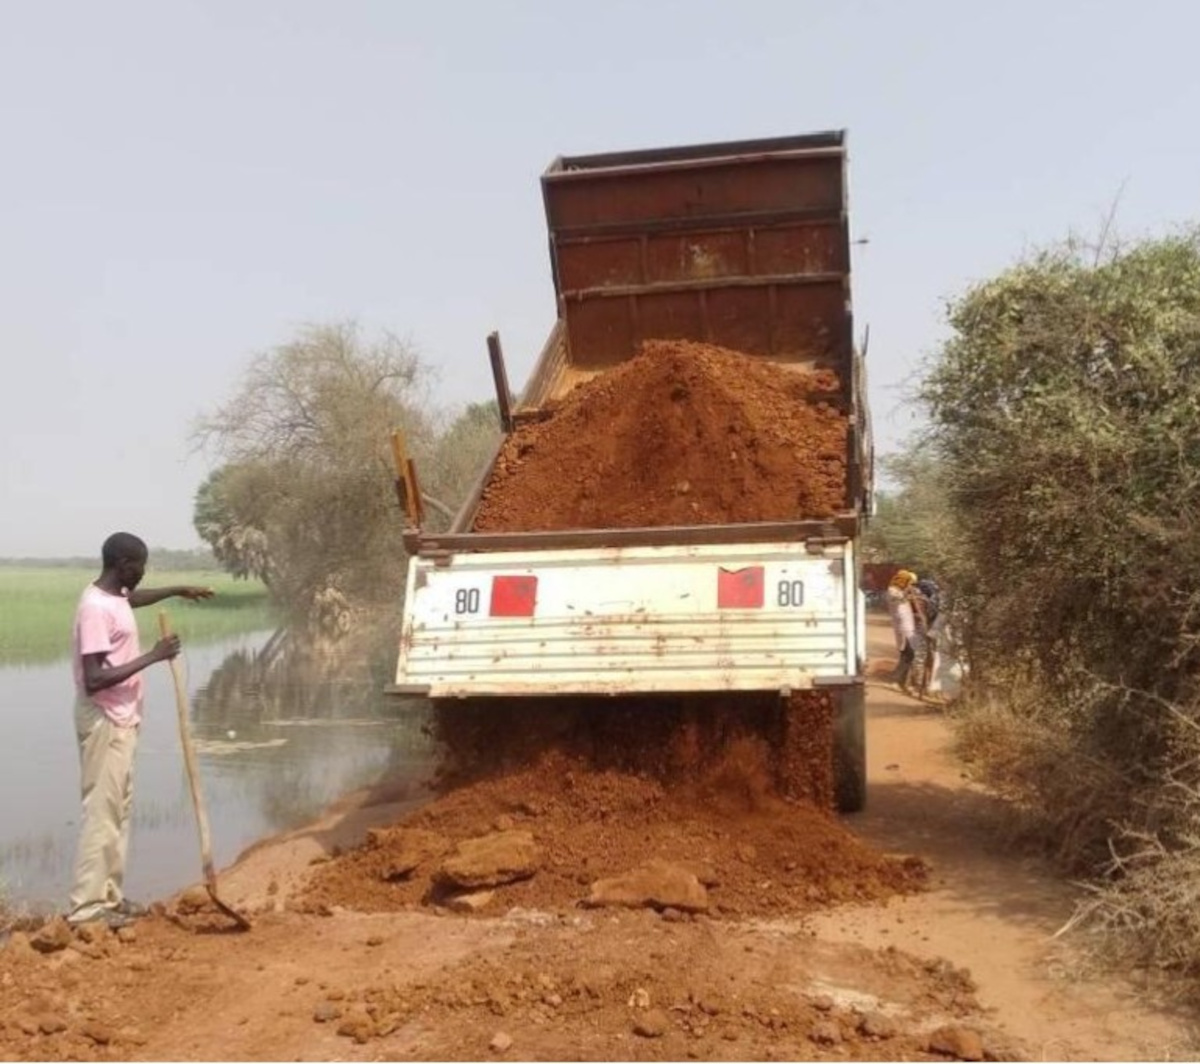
pixel 500 376
pixel 193 778
pixel 406 481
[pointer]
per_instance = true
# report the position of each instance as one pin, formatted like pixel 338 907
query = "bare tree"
pixel 307 484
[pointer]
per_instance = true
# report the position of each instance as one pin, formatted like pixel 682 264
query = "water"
pixel 280 734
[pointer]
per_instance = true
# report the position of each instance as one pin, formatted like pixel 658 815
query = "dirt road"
pixel 963 969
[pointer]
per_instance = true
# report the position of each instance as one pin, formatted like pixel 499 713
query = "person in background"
pixel 931 598
pixel 107 663
pixel 903 611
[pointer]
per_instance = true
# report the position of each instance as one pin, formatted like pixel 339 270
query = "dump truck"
pixel 744 245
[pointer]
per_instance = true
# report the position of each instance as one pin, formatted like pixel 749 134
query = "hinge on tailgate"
pixel 817 544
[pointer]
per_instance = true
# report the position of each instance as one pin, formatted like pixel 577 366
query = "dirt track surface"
pixel 962 968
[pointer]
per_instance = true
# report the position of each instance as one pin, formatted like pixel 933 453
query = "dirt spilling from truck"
pixel 675 739
pixel 562 833
pixel 683 434
pixel 710 803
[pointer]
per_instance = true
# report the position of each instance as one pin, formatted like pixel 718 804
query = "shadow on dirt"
pixel 964 834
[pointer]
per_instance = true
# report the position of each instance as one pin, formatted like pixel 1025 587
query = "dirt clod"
pixel 962 1043
pixel 18 948
pixel 326 1012
pixel 98 1032
pixel 825 1033
pixel 877 1025
pixel 133 1035
pixel 51 1023
pixel 653 1023
pixel 90 933
pixel 357 1024
pixel 474 902
pixel 501 1042
pixel 54 935
pixel 191 901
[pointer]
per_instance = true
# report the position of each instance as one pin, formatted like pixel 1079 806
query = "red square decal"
pixel 513 596
pixel 740 589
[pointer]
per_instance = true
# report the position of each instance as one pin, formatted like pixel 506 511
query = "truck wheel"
pixel 850 750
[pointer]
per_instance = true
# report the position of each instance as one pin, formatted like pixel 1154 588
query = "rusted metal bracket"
pixel 500 376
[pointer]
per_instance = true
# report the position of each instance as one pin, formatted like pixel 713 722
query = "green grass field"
pixel 37 608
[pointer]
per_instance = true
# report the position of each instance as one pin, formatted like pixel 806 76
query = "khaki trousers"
pixel 106 770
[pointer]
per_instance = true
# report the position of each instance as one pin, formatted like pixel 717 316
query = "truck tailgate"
pixel 758 616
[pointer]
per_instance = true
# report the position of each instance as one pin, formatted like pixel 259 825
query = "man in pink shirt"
pixel 108 663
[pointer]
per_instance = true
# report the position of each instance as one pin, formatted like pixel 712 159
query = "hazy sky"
pixel 184 184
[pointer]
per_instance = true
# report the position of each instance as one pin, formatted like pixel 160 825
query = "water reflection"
pixel 281 732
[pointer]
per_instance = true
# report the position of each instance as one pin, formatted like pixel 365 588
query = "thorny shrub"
pixel 1065 426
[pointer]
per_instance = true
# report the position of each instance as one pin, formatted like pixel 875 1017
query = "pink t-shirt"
pixel 104 624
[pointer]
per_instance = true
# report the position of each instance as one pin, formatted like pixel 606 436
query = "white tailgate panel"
pixel 611 620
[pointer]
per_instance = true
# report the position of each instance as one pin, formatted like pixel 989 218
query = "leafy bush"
pixel 1065 422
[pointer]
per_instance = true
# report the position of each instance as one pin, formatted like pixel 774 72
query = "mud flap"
pixel 850 749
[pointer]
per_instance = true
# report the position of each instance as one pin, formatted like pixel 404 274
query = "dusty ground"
pixel 964 968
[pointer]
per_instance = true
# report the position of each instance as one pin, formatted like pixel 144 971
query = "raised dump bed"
pixel 739 253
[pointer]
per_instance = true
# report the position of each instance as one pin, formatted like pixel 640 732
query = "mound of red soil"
pixel 763 855
pixel 673 739
pixel 543 801
pixel 683 434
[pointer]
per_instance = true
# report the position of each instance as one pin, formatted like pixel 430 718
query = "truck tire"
pixel 850 750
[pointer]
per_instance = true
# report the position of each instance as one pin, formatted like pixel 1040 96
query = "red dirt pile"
pixel 674 739
pixel 712 804
pixel 570 827
pixel 683 434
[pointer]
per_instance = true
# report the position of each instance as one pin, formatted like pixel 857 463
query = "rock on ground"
pixel 54 935
pixel 99 1033
pixel 470 903
pixel 961 1042
pixel 877 1025
pixel 192 900
pixel 656 885
pixel 492 861
pixel 825 1033
pixel 653 1024
pixel 407 849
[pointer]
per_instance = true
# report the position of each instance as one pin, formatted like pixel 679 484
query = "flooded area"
pixel 280 735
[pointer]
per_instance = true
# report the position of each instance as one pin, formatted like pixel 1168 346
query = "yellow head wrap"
pixel 904 579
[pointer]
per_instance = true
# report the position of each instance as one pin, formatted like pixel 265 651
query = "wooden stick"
pixel 500 376
pixel 406 480
pixel 193 778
